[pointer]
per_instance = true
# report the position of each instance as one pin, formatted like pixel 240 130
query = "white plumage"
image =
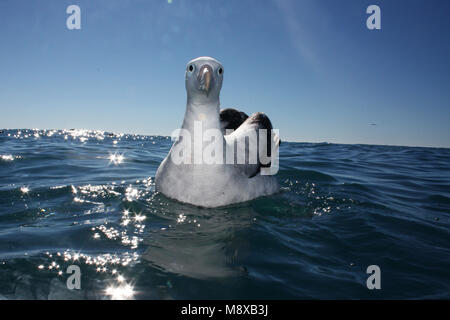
pixel 212 185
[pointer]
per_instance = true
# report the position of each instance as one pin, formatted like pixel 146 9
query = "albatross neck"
pixel 206 112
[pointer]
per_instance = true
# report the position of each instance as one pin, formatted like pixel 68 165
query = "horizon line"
pixel 282 140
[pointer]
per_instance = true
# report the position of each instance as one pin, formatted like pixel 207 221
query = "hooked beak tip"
pixel 205 78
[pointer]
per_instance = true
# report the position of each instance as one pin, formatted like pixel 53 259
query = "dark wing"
pixel 231 119
pixel 262 122
pixel 256 121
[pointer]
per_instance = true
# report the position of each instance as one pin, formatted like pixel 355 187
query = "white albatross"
pixel 212 184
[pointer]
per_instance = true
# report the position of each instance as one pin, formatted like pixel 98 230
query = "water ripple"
pixel 87 198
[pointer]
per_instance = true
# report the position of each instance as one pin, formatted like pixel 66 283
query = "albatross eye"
pixel 220 70
pixel 191 68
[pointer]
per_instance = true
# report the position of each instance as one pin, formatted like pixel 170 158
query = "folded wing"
pixel 244 133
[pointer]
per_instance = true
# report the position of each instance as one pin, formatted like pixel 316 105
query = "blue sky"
pixel 312 66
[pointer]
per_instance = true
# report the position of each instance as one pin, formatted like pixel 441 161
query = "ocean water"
pixel 87 198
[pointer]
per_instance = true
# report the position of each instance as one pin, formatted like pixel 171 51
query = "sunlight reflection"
pixel 116 158
pixel 181 218
pixel 24 189
pixel 131 193
pixel 123 292
pixel 139 218
pixel 7 157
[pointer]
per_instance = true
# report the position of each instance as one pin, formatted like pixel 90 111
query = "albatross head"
pixel 204 77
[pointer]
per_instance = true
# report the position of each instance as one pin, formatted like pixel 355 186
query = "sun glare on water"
pixel 24 189
pixel 122 292
pixel 116 158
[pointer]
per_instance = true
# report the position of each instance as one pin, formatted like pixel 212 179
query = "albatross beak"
pixel 204 77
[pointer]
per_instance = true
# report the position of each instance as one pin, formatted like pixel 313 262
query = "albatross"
pixel 219 157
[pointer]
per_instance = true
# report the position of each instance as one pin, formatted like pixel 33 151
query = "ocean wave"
pixel 90 195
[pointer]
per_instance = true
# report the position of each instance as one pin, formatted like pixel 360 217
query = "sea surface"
pixel 87 198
